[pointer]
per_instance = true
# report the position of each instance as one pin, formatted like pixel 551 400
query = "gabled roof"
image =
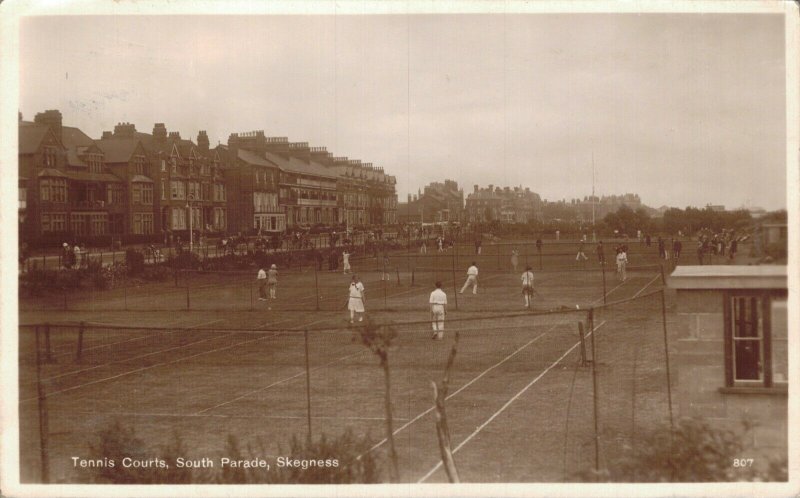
pixel 141 179
pixel 51 172
pixel 74 137
pixel 30 138
pixel 118 150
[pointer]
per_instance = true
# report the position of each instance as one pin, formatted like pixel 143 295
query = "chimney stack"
pixel 51 118
pixel 107 135
pixel 202 140
pixel 159 132
pixel 124 130
pixel 176 135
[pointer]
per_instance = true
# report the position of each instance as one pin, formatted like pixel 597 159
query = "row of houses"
pixel 138 187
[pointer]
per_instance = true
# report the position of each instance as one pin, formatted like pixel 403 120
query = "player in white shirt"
pixel 527 287
pixel 272 281
pixel 622 262
pixel 262 285
pixel 346 261
pixel 355 302
pixel 438 302
pixel 472 278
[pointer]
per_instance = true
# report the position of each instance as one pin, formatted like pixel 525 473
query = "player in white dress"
pixel 355 302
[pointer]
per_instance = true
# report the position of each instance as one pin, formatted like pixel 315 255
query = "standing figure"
pixel 345 261
pixel 272 281
pixel 423 247
pixel 355 301
pixel 622 263
pixel 440 243
pixel 478 244
pixel 539 244
pixel 581 255
pixel 262 284
pixel 472 278
pixel 385 269
pixel 677 246
pixel 438 303
pixel 527 287
pixel 514 259
pixel 601 253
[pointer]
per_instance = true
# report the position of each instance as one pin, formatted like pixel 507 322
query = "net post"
pixel 397 272
pixel 308 387
pixel 413 270
pixel 316 284
pixel 663 278
pixel 251 296
pixel 80 342
pixel 540 259
pixel 594 393
pixel 583 344
pixel 187 294
pixel 43 422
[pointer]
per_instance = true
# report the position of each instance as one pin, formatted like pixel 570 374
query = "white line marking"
pixel 507 404
pixel 151 366
pixel 245 395
pixel 646 286
pixel 472 381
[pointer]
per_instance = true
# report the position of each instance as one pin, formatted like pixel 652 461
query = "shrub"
pixel 696 452
pixel 156 273
pixel 117 442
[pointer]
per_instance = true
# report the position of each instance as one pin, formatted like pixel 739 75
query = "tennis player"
pixel 438 302
pixel 622 263
pixel 272 281
pixel 262 284
pixel 346 261
pixel 527 286
pixel 355 302
pixel 472 278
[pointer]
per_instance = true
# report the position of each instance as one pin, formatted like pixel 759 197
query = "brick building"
pixel 438 202
pixel 507 205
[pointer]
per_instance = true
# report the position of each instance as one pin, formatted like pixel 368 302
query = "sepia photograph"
pixel 484 248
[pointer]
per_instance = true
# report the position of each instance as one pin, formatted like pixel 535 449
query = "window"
pixel 53 189
pixel 174 164
pixel 755 339
pixel 49 155
pixel 79 223
pixel 147 223
pixel 178 190
pixel 136 191
pixel 163 189
pixel 54 222
pixel 147 193
pixel 99 224
pixel 219 218
pixel 163 165
pixel 138 165
pixel 115 194
pixel 178 218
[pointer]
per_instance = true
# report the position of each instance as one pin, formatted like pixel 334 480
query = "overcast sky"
pixel 683 109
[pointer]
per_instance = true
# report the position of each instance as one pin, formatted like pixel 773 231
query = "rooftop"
pixel 728 277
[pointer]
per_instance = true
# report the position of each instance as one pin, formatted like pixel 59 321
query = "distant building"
pixel 506 205
pixel 438 202
pixel 716 207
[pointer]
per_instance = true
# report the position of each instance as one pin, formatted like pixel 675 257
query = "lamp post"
pixel 190 198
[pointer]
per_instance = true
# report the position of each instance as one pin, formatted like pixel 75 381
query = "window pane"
pixel 780 355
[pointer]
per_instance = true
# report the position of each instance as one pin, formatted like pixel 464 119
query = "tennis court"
pixel 519 407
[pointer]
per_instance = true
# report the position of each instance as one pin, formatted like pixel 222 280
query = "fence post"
pixel 48 351
pixel 455 284
pixel 308 388
pixel 251 295
pixel 80 342
pixel 187 294
pixel 125 291
pixel 540 260
pixel 666 355
pixel 663 278
pixel 383 281
pixel 594 394
pixel 583 344
pixel 603 267
pixel 397 271
pixel 316 285
pixel 43 422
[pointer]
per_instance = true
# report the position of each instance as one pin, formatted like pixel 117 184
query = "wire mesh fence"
pixel 570 389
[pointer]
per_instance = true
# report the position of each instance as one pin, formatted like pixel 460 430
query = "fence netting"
pixel 571 389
